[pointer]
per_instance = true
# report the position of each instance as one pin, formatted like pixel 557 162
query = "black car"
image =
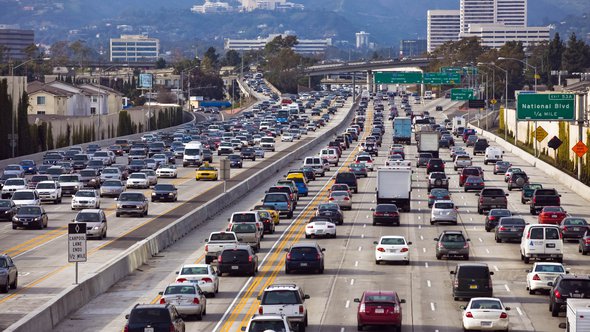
pixel 385 214
pixel 154 317
pixel 435 165
pixel 240 259
pixel 348 178
pixel 248 153
pixel 207 155
pixel 305 256
pixel 480 146
pixel 423 158
pixel 165 192
pixel 331 211
pixel 7 209
pixel 567 286
pixel 90 178
pixel 8 274
pixel 136 165
pixel 235 161
pixel 309 173
pixel 472 280
pixel 573 228
pixel 30 216
pixel 494 216
pixel 509 228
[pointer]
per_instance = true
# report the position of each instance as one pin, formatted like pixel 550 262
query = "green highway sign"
pixel 455 70
pixel 462 94
pixel 545 106
pixel 470 70
pixel 442 78
pixel 398 77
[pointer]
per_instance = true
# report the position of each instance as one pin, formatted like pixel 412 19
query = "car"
pixel 423 158
pixel 567 286
pixel 366 159
pixel 511 170
pixel 342 198
pixel 379 308
pixel 470 141
pixel 320 227
pixel 268 322
pixel 235 161
pixel 462 161
pixel 86 199
pixel 438 194
pixel 96 222
pixel 493 217
pixel 509 228
pixel 259 152
pixel 49 191
pixel 435 165
pixel 151 176
pixel 485 314
pixel 138 180
pixel 287 300
pixel 490 198
pixel 154 317
pixel 541 274
pixel 287 137
pixel 35 179
pixel 501 167
pixel 166 192
pixel 132 203
pixel 240 259
pixel 552 215
pixel 248 153
pixel 188 299
pixel 438 180
pixel 112 188
pixel 527 191
pixel 207 155
pixel 304 256
pixel 206 172
pixel 517 180
pixel 309 173
pixel 331 211
pixel 386 214
pixel 30 216
pixel 573 228
pixel 358 169
pixel 473 183
pixel 349 179
pixel 167 171
pixel 584 243
pixel 392 248
pixel 26 197
pixel 471 280
pixel 203 275
pixel 8 274
pixel 12 185
pixel 7 209
pixel 15 169
pixel 29 166
pixel 443 211
pixel 452 244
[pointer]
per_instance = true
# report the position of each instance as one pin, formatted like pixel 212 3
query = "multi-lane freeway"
pixel 425 283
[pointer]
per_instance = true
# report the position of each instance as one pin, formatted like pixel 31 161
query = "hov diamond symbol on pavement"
pixel 580 149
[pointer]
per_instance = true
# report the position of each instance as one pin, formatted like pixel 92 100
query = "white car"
pixel 392 248
pixel 138 180
pixel 86 199
pixel 160 158
pixel 26 197
pixel 187 298
pixel 319 228
pixel 110 173
pixel 485 314
pixel 443 211
pixel 365 159
pixel 203 275
pixel 269 322
pixel 541 274
pixel 287 137
pixel 167 171
pixel 151 175
pixel 12 185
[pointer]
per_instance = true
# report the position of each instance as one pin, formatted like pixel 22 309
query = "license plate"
pixel 25 222
pixel 576 295
pixel 550 245
pixel 148 329
pixel 486 323
pixel 379 311
pixel 576 229
pixel 452 252
pixel 303 264
pixel 391 250
pixel 514 229
pixel 235 267
pixel 553 216
pixel 472 286
pixel 319 232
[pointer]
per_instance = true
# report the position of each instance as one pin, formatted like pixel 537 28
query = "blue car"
pixel 29 166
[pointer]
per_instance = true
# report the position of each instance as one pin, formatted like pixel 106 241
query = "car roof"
pixel 452 232
pixel 305 244
pixel 195 265
pixel 473 264
pixel 90 210
pixel 379 292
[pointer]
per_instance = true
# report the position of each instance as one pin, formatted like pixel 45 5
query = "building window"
pixel 40 100
pixel 92 110
pixel 94 99
pixel 41 112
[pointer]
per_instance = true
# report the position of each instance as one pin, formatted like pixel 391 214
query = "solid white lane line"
pixel 496 268
pixel 507 289
pixel 351 282
pixel 360 248
pixel 347 304
pixel 432 306
pixel 519 311
pixel 428 283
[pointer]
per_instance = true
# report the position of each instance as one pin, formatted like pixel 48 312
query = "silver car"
pixel 132 203
pixel 342 198
pixel 187 298
pixel 112 188
pixel 8 274
pixel 96 222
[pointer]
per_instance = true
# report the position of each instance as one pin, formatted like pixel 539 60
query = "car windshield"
pixel 23 195
pixel 244 228
pixel 68 178
pixel 87 217
pixel 327 207
pixel 180 289
pixel 206 168
pixel 29 210
pixel 386 208
pixel 164 187
pixel 393 240
pixel 486 304
pixel 194 270
pixel 267 325
pixel 14 182
pixel 130 197
pixel 339 194
pixel 441 205
pixel 12 168
pixel 274 198
pixel 87 173
pixel 85 193
pixel 141 316
pixel 500 212
pixel 4 203
pixel 379 298
pixel 112 184
pixel 243 217
pixel 552 209
pixel 575 221
pixel 138 176
pixel 574 285
pixel 303 252
pixel 551 268
pixel 512 221
pixel 280 297
pixel 475 272
pixel 222 237
pixel 109 171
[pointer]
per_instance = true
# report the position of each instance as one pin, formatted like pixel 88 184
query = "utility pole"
pixel 581 103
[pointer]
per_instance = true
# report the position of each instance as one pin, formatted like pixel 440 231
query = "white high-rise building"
pixel 511 12
pixel 496 35
pixel 477 12
pixel 362 39
pixel 443 26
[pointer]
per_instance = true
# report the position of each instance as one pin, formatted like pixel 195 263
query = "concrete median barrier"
pixel 46 317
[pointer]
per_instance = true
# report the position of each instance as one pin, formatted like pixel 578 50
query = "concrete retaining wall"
pixel 74 297
pixel 563 178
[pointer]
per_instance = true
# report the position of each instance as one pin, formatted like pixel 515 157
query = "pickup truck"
pixel 249 234
pixel 491 198
pixel 544 197
pixel 218 241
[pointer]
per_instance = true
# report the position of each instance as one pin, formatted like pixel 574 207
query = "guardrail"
pixel 49 315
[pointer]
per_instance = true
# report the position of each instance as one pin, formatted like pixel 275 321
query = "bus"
pixel 283 116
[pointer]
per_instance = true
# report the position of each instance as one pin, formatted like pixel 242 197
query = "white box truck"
pixel 577 316
pixel 429 143
pixel 458 121
pixel 394 186
pixel 193 154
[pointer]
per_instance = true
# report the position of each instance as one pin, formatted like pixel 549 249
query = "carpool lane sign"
pixel 77 242
pixel 545 106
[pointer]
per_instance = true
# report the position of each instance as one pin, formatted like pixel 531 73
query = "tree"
pixel 555 52
pixel 212 57
pixel 23 130
pixel 6 114
pixel 81 52
pixel 231 58
pixel 576 56
pixel 161 63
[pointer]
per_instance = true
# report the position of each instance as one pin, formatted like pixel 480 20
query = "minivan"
pixel 472 280
pixel 541 242
pixel 480 146
pixel 316 163
pixel 348 178
pixel 492 155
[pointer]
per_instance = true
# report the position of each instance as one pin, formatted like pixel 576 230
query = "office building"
pixel 212 7
pixel 362 39
pixel 442 26
pixel 134 48
pixel 15 41
pixel 477 12
pixel 412 48
pixel 304 46
pixel 511 12
pixel 496 35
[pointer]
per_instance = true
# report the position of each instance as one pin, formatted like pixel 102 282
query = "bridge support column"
pixel 309 82
pixel 353 87
pixel 370 81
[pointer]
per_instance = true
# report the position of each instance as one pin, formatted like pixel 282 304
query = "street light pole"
pixel 505 99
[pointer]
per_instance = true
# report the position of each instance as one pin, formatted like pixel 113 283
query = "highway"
pixel 41 255
pixel 350 266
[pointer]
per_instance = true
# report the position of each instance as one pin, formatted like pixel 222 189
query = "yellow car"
pixel 207 172
pixel 274 214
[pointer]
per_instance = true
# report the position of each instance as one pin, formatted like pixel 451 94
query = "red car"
pixel 381 308
pixel 467 172
pixel 552 215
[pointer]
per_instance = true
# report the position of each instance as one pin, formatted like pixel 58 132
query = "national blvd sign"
pixel 545 106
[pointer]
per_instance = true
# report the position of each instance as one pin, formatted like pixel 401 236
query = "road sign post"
pixel 77 251
pixel 545 106
pixel 224 169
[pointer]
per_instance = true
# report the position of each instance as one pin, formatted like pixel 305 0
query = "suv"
pixel 435 165
pixel 49 191
pixel 567 286
pixel 305 256
pixel 154 317
pixel 472 280
pixel 268 323
pixel 238 259
pixel 248 153
pixel 348 178
pixel 517 180
pixel 490 198
pixel 452 243
pixel 438 180
pixel 480 146
pixel 285 299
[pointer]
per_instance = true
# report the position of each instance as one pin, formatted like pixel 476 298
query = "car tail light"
pixel 301 309
pixel 396 309
pixel 288 256
pixel 181 280
pixel 219 259
pixel 250 258
pixel 309 226
pixel 404 250
pixel 528 235
pixel 362 307
pixel 565 228
pixel 502 228
pixel 346 199
pixel 331 226
pixel 260 310
pixel 587 241
pixel 331 198
pixel 172 328
pixel 440 245
pixel 456 283
pixel 492 218
pixel 503 315
pixel 207 280
pixel 468 314
pixel 380 249
pixel 431 197
pixel 536 277
pixel 318 257
pixel 206 247
pixel 126 329
pixel 534 200
pixel 466 245
pixel 162 301
pixel 196 300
